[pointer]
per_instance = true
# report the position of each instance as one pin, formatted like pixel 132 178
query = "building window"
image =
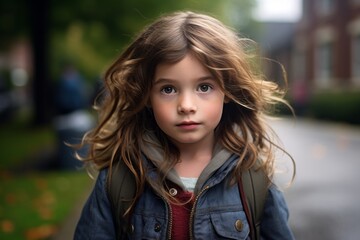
pixel 299 66
pixel 355 2
pixel 325 7
pixel 355 59
pixel 324 64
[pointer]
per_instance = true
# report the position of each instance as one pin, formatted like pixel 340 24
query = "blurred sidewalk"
pixel 67 229
pixel 324 199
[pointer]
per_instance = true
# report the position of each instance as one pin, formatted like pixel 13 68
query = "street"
pixel 324 200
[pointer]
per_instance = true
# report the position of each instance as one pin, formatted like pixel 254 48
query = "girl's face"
pixel 187 102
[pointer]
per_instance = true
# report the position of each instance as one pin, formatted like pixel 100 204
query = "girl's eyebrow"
pixel 169 80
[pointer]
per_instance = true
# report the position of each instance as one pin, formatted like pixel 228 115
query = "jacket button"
pixel 173 192
pixel 239 225
pixel 157 227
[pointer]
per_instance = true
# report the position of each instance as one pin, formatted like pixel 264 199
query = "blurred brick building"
pixel 327 44
pixel 321 51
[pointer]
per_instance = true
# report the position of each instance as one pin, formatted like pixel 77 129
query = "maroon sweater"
pixel 181 216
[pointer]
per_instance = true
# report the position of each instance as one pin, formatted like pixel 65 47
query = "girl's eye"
pixel 168 90
pixel 204 88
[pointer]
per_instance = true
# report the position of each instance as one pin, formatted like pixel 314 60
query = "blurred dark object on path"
pixel 300 98
pixel 72 120
pixel 70 129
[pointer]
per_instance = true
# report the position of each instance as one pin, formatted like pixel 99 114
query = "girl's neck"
pixel 194 158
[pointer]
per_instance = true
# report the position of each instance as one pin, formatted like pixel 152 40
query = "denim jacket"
pixel 218 213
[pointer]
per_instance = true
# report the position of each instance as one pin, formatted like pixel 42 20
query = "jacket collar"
pixel 220 165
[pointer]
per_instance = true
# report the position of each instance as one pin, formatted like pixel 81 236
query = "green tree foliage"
pixel 13 21
pixel 91 33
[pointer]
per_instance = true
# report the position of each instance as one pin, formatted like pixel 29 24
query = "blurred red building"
pixel 320 52
pixel 327 44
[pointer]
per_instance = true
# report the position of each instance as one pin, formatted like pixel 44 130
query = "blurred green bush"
pixel 335 106
pixel 341 106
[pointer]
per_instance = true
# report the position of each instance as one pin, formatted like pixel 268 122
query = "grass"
pixel 21 142
pixel 34 204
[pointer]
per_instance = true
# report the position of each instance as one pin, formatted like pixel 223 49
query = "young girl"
pixel 184 113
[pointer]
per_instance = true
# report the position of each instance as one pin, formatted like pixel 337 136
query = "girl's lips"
pixel 188 125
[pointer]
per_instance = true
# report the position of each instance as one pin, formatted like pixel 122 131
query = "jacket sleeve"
pixel 96 220
pixel 274 223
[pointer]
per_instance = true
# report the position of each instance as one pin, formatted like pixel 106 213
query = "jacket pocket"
pixel 230 225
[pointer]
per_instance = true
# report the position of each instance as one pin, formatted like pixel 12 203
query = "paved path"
pixel 325 198
pixel 67 229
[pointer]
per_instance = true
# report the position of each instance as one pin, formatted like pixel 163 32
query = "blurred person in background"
pixel 73 118
pixel 70 91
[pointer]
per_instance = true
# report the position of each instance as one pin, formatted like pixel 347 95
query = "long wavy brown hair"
pixel 124 116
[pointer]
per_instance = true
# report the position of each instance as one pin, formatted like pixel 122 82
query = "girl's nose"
pixel 187 104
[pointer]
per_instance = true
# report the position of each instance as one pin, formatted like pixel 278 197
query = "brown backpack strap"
pixel 121 188
pixel 253 188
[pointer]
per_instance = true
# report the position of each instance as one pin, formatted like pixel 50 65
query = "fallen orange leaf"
pixel 41 232
pixel 7 226
pixel 41 184
pixel 46 213
pixel 10 198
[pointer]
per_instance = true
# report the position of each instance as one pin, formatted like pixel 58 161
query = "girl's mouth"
pixel 188 125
